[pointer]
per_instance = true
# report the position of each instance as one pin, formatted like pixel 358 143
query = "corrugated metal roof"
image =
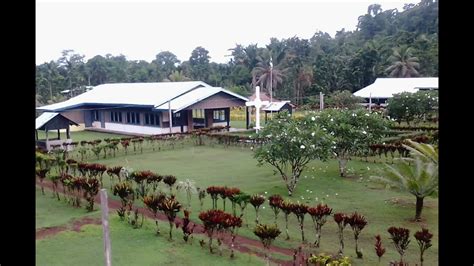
pixel 195 96
pixel 44 118
pixel 387 87
pixel 275 106
pixel 142 94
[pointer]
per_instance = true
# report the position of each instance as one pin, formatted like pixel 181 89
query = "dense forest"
pixel 388 43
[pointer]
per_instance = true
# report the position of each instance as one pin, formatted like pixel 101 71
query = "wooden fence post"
pixel 105 226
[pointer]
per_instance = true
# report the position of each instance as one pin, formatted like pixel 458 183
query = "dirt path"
pixel 75 226
pixel 240 243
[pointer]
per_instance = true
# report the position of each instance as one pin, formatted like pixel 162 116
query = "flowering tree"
pixel 352 131
pixel 289 144
pixel 407 106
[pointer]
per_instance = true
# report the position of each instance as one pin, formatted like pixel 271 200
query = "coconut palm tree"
pixel 404 64
pixel 417 175
pixel 267 75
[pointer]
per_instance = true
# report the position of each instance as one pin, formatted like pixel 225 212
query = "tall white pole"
pixel 105 226
pixel 271 84
pixel 171 117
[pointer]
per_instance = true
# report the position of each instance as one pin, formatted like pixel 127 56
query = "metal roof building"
pixel 143 108
pixel 386 87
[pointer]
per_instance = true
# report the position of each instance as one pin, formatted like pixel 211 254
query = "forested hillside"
pixel 397 43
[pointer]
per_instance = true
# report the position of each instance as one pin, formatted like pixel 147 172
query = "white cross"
pixel 258 104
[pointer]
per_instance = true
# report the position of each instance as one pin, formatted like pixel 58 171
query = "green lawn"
pixel 51 212
pixel 80 135
pixel 129 246
pixel 320 183
pixel 236 166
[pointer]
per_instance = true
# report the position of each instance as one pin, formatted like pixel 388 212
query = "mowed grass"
pixel 80 135
pixel 236 167
pixel 129 246
pixel 50 212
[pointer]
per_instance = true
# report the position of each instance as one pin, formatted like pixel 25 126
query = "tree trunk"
pixel 171 229
pixel 318 235
pixel 302 231
pixel 419 208
pixel 341 241
pixel 342 166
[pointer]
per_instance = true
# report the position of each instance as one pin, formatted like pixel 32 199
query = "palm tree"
pixel 267 75
pixel 404 65
pixel 176 76
pixel 417 175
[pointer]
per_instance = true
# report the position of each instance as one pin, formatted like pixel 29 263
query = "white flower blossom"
pixel 336 194
pixel 302 147
pixel 332 120
pixel 265 192
pixel 312 118
pixel 312 134
pixel 364 132
pixel 367 114
pixel 312 146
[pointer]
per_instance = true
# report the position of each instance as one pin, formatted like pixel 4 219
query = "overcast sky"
pixel 140 30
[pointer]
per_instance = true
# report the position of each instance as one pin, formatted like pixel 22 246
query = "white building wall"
pixel 96 124
pixel 219 124
pixel 142 129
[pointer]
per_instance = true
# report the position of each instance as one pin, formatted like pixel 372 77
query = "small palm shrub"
pixel 170 206
pixel 267 233
pixel 256 201
pixel 423 238
pixel 319 215
pixel 275 203
pixel 400 238
pixel 357 223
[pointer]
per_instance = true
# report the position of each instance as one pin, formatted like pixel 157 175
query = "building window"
pixel 152 119
pixel 116 117
pixel 198 113
pixel 133 118
pixel 95 115
pixel 219 115
pixel 176 115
